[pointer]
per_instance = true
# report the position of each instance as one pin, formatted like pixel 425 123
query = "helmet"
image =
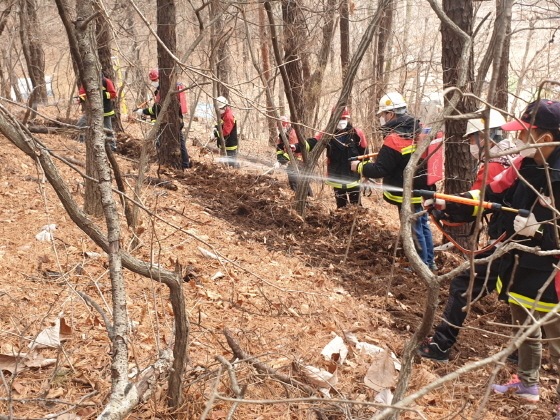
pixel 153 74
pixel 392 101
pixel 345 112
pixel 496 120
pixel 285 121
pixel 222 102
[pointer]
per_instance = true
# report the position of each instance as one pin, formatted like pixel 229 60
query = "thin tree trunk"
pixel 265 57
pixel 169 153
pixel 344 36
pixel 294 35
pixel 459 175
pixel 33 50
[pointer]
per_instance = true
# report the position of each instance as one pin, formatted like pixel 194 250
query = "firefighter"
pixel 153 111
pixel 109 93
pixel 229 131
pixel 523 275
pixel 400 131
pixel 348 142
pixel 283 158
pixel 438 346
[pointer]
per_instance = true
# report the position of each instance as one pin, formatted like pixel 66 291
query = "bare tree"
pixel 169 153
pixel 29 31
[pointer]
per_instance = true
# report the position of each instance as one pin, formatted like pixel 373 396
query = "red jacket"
pixel 109 93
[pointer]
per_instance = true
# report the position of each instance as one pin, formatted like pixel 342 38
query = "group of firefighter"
pixel 227 123
pixel 519 175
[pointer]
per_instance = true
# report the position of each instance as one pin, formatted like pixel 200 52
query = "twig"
pixel 263 368
pixel 213 397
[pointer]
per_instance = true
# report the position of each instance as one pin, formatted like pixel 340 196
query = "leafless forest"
pixel 218 293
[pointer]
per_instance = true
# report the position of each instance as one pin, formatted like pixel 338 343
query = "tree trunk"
pixel 221 57
pixel 344 36
pixel 294 34
pixel 169 153
pixel 33 50
pixel 105 57
pixel 459 163
pixel 265 57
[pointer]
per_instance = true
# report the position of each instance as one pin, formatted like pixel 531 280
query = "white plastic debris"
pixel 335 346
pixel 46 233
pixel 444 247
pixel 208 254
pixel 218 275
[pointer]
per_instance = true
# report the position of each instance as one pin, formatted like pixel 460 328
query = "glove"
pixel 140 112
pixel 293 147
pixel 430 203
pixel 277 165
pixel 526 226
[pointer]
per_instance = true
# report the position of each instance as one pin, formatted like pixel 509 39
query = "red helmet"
pixel 153 74
pixel 345 112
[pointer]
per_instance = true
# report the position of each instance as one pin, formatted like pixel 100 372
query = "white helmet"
pixel 222 102
pixel 477 124
pixel 393 101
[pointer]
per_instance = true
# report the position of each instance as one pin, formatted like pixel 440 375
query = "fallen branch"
pixel 239 353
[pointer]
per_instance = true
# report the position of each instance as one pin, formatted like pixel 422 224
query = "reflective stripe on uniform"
pixel 108 114
pixel 476 196
pixel 399 199
pixel 335 185
pixel 230 147
pixel 408 149
pixel 530 303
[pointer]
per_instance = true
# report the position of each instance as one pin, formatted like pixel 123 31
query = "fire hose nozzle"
pixel 524 212
pixel 361 157
pixel 423 193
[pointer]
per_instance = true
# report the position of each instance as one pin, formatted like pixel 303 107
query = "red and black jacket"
pixel 109 93
pixel 282 155
pixel 344 145
pixel 398 146
pixel 229 130
pixel 532 271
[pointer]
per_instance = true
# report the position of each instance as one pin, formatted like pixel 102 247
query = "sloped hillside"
pixel 283 288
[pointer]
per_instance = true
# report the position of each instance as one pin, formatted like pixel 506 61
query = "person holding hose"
pixel 400 131
pixel 348 142
pixel 438 346
pixel 532 184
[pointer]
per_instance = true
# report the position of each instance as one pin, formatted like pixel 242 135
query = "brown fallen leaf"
pixel 381 373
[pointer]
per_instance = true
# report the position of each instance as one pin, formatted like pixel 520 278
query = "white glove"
pixel 438 203
pixel 526 226
pixel 140 112
pixel 293 147
pixel 277 165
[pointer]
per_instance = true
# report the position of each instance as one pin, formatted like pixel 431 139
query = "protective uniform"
pixel 348 142
pixel 283 157
pixel 109 93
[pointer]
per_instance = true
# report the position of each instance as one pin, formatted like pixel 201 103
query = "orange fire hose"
pixel 470 202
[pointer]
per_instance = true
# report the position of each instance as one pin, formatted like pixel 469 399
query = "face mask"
pixel 222 111
pixel 155 84
pixel 382 121
pixel 476 152
pixel 528 153
pixel 342 124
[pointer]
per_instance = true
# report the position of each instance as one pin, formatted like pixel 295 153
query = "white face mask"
pixel 342 124
pixel 475 151
pixel 382 121
pixel 222 111
pixel 155 84
pixel 528 153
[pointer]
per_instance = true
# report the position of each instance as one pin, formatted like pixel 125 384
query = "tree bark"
pixel 294 35
pixel 459 163
pixel 169 153
pixel 33 50
pixel 267 74
pixel 344 36
pixel 104 41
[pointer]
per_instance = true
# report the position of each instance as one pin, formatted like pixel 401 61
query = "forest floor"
pixel 284 287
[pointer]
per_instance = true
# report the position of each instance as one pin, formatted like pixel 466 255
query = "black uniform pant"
pixel 445 334
pixel 293 179
pixel 344 196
